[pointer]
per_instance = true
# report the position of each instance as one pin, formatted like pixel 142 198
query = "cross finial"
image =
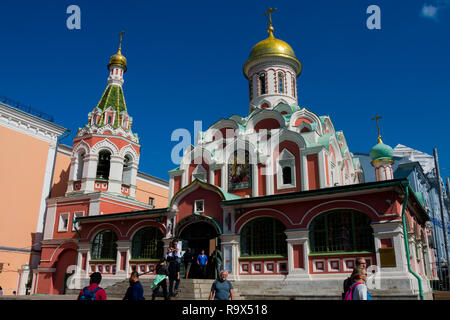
pixel 269 12
pixel 378 127
pixel 120 41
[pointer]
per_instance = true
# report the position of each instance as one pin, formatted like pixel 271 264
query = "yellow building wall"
pixel 22 168
pixel 144 190
pixel 60 175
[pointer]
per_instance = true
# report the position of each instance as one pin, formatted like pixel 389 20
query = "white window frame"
pixel 77 214
pixel 286 159
pixel 196 207
pixel 63 215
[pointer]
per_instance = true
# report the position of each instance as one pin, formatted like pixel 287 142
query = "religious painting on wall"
pixel 239 171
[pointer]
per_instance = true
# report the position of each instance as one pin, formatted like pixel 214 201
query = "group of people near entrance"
pixel 355 286
pixel 168 267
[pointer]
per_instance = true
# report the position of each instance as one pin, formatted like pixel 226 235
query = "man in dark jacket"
pixel 135 291
pixel 174 275
pixel 161 270
pixel 187 260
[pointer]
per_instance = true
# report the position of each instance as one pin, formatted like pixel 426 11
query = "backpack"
pixel 89 295
pixel 349 293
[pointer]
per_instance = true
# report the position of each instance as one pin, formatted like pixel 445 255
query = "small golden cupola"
pixel 118 58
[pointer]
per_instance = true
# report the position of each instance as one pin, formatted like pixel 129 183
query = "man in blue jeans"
pixel 202 261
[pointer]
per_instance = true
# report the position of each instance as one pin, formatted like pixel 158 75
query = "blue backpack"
pixel 89 295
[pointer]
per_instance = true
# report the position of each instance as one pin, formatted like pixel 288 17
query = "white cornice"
pixel 28 124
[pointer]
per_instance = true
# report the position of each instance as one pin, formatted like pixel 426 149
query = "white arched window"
pixel 286 170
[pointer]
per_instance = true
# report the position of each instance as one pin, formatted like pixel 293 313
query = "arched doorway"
pixel 198 236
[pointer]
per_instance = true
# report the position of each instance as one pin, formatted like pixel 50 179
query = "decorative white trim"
pixel 105 144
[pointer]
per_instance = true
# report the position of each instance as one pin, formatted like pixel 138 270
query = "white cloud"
pixel 429 11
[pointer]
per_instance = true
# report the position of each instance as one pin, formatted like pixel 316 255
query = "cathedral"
pixel 278 191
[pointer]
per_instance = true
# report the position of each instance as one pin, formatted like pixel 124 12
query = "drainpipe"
pixel 405 232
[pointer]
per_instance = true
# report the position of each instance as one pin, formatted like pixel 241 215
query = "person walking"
pixel 218 261
pixel 222 289
pixel 187 260
pixel 174 276
pixel 135 291
pixel 358 290
pixel 93 291
pixel 160 281
pixel 360 262
pixel 202 261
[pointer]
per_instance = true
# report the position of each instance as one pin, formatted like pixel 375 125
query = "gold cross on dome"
pixel 120 41
pixel 269 12
pixel 378 127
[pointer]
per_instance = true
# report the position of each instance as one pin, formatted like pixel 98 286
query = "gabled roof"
pixel 221 192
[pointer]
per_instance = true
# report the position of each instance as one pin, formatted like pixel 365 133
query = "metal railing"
pixel 28 109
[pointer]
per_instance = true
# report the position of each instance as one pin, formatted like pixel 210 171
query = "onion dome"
pixel 273 47
pixel 118 58
pixel 381 152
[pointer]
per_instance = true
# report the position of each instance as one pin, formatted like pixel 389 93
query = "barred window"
pixel 263 236
pixel 147 244
pixel 341 231
pixel 104 245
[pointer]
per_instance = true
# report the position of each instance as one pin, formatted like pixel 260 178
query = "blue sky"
pixel 185 63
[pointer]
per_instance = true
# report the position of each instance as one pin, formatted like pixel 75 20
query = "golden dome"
pixel 119 59
pixel 272 46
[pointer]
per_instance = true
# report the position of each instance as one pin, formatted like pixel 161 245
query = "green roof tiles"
pixel 112 97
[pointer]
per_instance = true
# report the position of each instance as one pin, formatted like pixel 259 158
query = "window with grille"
pixel 147 244
pixel 341 231
pixel 263 236
pixel 104 246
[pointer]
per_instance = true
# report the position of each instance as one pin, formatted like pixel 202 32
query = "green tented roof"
pixel 112 97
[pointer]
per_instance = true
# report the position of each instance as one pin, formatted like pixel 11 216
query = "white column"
pixel 304 172
pixel 298 237
pixel 134 170
pixel 322 169
pixel 123 246
pixel 90 172
pixel 231 253
pixel 115 174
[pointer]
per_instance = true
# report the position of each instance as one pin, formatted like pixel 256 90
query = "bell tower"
pixel 105 154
